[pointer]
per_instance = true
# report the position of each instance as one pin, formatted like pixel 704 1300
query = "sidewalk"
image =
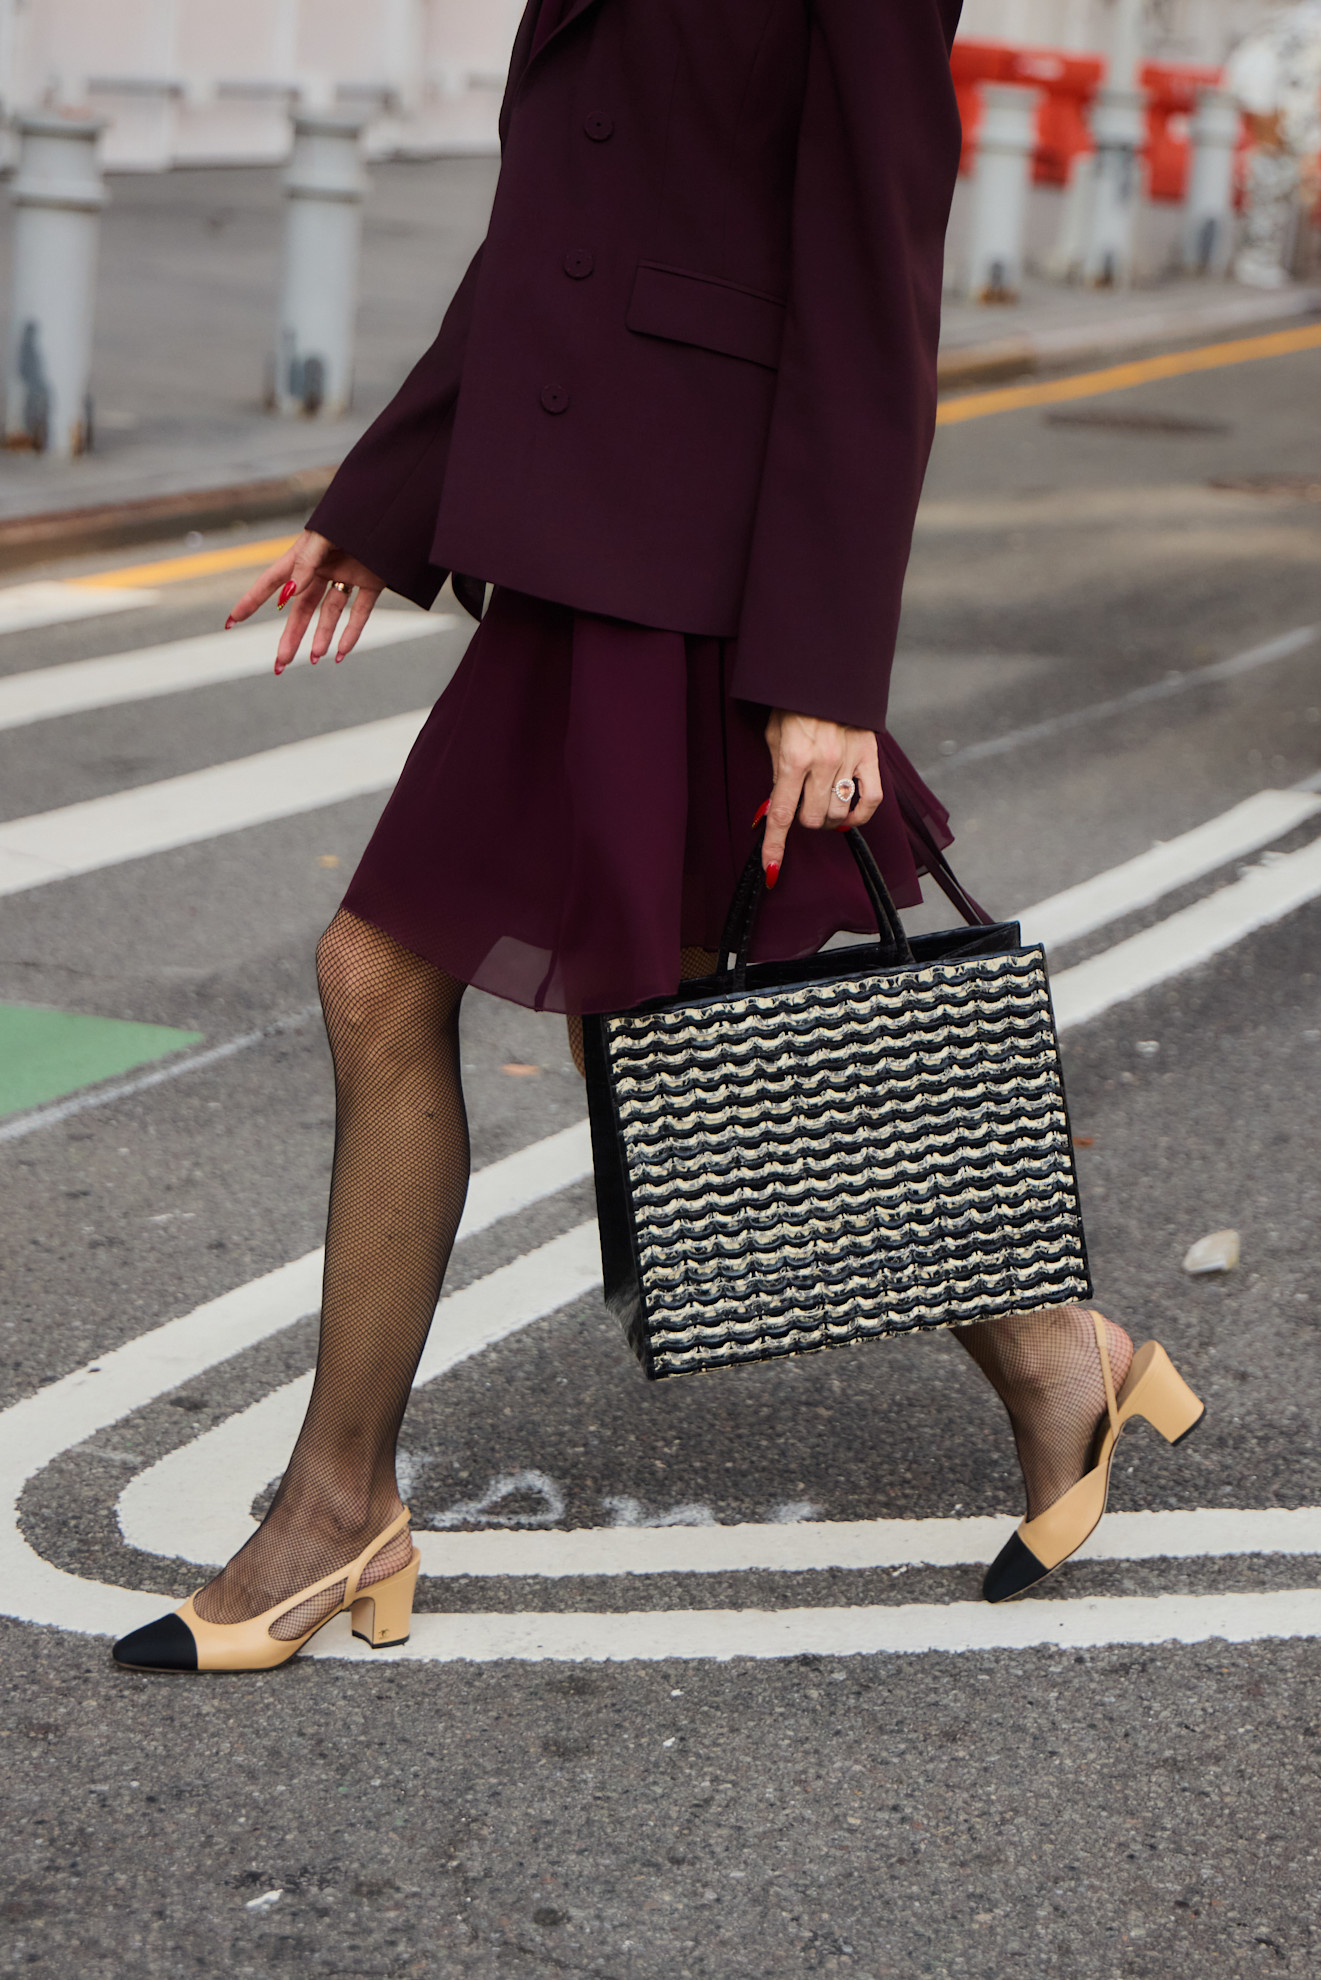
pixel 189 275
pixel 1055 328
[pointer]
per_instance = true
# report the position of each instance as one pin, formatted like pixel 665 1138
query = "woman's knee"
pixel 374 991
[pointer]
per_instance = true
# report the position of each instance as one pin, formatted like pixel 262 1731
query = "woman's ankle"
pixel 333 1517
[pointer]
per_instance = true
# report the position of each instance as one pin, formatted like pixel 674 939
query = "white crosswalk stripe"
pixel 178 665
pixel 205 804
pixel 1184 940
pixel 1243 829
pixel 54 602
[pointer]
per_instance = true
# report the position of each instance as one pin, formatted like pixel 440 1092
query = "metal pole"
pixel 1118 130
pixel 1117 126
pixel 1208 236
pixel 58 197
pixel 1126 41
pixel 1005 143
pixel 318 304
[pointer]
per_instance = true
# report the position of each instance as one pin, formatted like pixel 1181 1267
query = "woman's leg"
pixel 396 1197
pixel 1046 1371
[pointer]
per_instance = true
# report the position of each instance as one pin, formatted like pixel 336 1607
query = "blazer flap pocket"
pixel 698 309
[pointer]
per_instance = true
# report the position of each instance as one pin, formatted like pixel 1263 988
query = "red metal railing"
pixel 1068 83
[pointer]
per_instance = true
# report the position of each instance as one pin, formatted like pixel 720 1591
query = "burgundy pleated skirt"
pixel 578 808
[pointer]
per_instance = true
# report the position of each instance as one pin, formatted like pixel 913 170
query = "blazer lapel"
pixel 571 14
pixel 523 58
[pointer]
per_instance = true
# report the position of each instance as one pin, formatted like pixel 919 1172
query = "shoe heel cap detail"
pixel 1196 1424
pixel 382 1614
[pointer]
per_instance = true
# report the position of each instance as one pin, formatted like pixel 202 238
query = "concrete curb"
pixel 27 540
pixel 1062 346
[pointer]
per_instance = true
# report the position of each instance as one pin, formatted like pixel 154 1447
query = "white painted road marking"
pixel 50 602
pixel 530 1175
pixel 197 1498
pixel 1216 1533
pixel 205 804
pixel 1283 647
pixel 178 665
pixel 910 1629
pixel 1235 833
pixel 36 1431
pixel 1206 929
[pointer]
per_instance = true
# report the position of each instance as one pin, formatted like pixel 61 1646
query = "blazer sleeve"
pixel 383 503
pixel 854 413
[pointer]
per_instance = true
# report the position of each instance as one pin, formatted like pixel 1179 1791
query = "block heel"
pixel 1157 1391
pixel 1154 1390
pixel 383 1613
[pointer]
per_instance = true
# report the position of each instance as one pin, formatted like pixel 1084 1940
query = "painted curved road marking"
pixel 40 1428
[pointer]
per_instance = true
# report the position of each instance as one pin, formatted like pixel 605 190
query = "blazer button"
pixel 599 127
pixel 579 262
pixel 554 398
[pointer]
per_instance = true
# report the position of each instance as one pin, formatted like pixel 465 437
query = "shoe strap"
pixel 351 1575
pixel 355 1570
pixel 1103 1348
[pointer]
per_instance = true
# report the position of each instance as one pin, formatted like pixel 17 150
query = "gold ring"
pixel 335 585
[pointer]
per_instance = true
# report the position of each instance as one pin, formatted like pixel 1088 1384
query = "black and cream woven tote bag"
pixel 870 1141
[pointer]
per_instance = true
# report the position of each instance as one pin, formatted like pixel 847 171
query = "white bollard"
pixel 58 197
pixel 326 186
pixel 1208 236
pixel 998 222
pixel 1117 128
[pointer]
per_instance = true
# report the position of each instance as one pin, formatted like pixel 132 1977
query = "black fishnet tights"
pixel 396 1197
pixel 1046 1369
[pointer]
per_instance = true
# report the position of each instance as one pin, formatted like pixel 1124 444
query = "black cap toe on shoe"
pixel 1014 1568
pixel 165 1645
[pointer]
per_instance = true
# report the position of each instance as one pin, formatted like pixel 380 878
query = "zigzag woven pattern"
pixel 846 1158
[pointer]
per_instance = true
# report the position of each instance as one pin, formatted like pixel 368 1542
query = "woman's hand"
pixel 310 574
pixel 812 761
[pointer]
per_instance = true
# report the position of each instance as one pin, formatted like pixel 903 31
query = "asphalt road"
pixel 704 1767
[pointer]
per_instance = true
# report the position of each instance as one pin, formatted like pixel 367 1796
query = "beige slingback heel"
pixel 1155 1390
pixel 184 1641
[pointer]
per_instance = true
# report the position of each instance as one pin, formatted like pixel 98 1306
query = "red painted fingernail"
pixel 339 657
pixel 314 657
pixel 772 874
pixel 760 813
pixel 229 622
pixel 286 595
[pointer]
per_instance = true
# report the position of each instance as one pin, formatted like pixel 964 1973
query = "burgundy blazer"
pixel 689 379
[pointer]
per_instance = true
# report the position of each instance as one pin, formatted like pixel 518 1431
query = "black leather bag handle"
pixel 741 921
pixel 941 871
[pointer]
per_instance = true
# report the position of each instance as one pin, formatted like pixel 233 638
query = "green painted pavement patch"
pixel 46 1054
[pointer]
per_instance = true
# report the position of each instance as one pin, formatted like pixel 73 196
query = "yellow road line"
pixel 170 570
pixel 950 412
pixel 1120 377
